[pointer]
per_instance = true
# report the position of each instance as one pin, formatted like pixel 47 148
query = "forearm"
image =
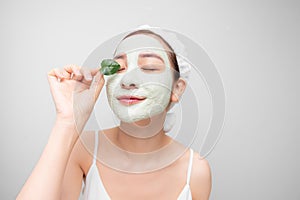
pixel 45 182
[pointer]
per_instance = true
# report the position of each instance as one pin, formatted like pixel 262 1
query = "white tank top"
pixel 94 189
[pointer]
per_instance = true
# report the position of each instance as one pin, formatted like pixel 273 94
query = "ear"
pixel 178 89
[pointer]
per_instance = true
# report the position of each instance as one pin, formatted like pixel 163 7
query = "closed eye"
pixel 149 69
pixel 152 67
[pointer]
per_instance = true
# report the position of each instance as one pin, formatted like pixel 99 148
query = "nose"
pixel 131 80
pixel 129 87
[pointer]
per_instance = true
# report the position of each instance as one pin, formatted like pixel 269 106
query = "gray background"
pixel 254 44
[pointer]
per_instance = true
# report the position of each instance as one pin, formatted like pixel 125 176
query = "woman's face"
pixel 143 85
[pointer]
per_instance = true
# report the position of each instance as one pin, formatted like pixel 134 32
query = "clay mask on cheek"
pixel 153 89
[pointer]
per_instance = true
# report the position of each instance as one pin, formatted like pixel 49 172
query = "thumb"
pixel 97 85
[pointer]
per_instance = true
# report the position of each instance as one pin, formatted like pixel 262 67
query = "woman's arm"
pixel 67 85
pixel 45 182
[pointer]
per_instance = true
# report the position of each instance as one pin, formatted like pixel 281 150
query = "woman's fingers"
pixel 57 73
pixel 94 71
pixel 74 72
pixel 86 74
pixel 79 73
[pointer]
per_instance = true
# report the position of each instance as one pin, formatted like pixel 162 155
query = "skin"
pixel 65 160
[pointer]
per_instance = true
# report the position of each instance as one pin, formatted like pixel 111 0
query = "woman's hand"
pixel 75 90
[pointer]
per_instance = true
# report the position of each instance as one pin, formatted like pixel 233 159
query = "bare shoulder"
pixel 200 178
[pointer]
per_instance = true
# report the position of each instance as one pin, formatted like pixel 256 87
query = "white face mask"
pixel 143 90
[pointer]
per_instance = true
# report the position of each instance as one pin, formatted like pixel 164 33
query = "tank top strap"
pixel 190 167
pixel 95 147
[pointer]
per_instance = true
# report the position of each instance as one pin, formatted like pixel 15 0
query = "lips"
pixel 130 100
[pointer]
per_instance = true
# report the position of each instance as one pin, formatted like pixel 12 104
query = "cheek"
pixel 160 86
pixel 112 84
pixel 157 92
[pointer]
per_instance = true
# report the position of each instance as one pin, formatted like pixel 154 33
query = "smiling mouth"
pixel 130 100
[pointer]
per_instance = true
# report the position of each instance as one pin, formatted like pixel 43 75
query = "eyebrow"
pixel 149 54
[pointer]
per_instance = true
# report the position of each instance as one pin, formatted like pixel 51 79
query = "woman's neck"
pixel 141 145
pixel 142 136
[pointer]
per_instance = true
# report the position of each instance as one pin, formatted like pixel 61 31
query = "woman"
pixel 139 94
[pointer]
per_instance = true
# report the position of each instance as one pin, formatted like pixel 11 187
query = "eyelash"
pixel 149 69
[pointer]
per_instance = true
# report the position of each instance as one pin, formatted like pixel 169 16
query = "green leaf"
pixel 109 67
